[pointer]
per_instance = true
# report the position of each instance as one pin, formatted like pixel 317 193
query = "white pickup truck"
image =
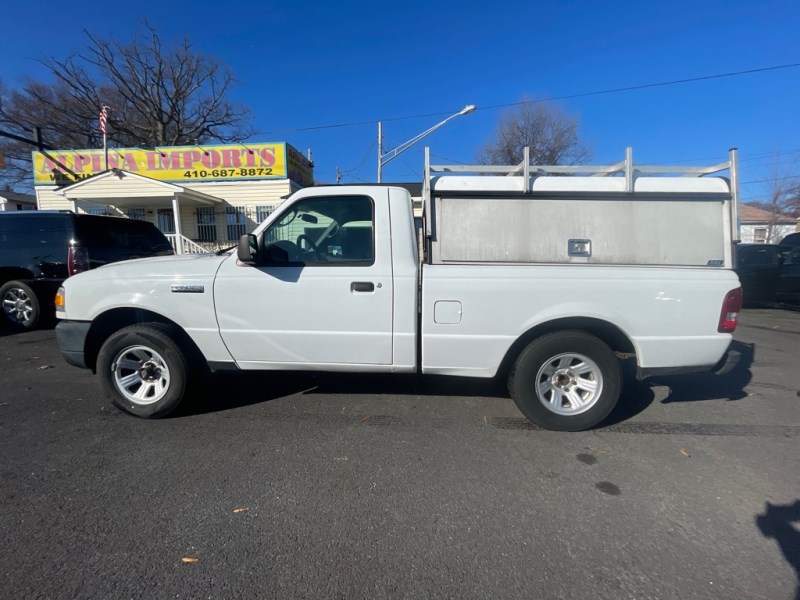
pixel 545 276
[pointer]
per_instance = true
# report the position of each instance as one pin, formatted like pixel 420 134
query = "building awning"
pixel 124 189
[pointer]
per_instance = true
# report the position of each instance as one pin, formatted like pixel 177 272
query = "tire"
pixel 566 381
pixel 20 306
pixel 144 370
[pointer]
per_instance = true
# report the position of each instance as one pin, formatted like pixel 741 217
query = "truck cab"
pixel 327 281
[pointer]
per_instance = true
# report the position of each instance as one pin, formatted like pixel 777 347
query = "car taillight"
pixel 77 260
pixel 730 311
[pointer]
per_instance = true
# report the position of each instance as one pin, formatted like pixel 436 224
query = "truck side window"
pixel 325 231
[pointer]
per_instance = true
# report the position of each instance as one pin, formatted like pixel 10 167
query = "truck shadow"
pixel 778 523
pixel 635 398
pixel 708 386
pixel 226 391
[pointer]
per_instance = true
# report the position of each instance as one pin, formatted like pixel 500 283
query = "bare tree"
pixel 793 201
pixel 782 191
pixel 158 96
pixel 551 135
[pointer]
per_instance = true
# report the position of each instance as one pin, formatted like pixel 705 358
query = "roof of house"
pixel 753 214
pixel 17 197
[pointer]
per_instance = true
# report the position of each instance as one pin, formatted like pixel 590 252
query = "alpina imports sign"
pixel 178 163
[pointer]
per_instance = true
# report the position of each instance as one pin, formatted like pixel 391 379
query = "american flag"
pixel 104 118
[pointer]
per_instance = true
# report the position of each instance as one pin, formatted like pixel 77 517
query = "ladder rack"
pixel 625 168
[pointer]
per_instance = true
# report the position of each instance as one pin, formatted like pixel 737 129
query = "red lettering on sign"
pixel 267 156
pixel 48 165
pixel 230 159
pixel 174 160
pixel 80 160
pixel 162 160
pixel 249 158
pixel 130 162
pixel 189 158
pixel 97 163
pixel 211 159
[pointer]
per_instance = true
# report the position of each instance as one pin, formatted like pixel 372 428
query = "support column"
pixel 176 216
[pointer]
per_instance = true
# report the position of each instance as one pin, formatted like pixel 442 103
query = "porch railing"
pixel 183 245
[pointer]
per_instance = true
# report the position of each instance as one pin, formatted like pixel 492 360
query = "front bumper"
pixel 71 338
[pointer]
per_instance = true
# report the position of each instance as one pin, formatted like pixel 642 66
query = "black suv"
pixel 793 239
pixel 40 249
pixel 769 272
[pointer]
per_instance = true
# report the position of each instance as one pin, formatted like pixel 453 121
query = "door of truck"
pixel 322 293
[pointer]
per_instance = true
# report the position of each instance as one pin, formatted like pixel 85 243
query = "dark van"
pixel 40 249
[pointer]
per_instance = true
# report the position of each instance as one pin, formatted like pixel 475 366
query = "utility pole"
pixel 380 151
pixel 338 175
pixel 37 137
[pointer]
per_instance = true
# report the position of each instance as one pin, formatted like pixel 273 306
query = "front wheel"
pixel 566 381
pixel 143 369
pixel 20 305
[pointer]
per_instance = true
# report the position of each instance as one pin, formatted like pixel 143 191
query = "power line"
pixel 720 158
pixel 650 85
pixel 770 179
pixel 550 99
pixel 363 160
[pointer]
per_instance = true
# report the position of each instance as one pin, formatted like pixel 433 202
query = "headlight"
pixel 60 300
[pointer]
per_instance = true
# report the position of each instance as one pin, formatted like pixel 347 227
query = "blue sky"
pixel 313 64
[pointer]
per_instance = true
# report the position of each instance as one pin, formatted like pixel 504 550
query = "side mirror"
pixel 248 249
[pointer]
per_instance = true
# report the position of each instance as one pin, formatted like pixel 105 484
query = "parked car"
pixel 40 249
pixel 769 272
pixel 793 239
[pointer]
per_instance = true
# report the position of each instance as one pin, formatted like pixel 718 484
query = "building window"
pixel 100 210
pixel 136 213
pixel 236 219
pixel 165 220
pixel 760 235
pixel 263 211
pixel 206 224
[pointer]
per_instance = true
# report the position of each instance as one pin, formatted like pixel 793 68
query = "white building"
pixel 758 226
pixel 15 201
pixel 200 197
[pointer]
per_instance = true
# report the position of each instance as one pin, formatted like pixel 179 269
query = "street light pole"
pixel 395 152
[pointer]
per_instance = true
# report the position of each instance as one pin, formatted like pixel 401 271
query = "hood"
pixel 184 265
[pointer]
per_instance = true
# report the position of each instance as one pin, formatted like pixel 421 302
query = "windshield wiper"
pixel 224 250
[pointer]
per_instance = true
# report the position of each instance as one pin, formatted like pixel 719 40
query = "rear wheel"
pixel 20 306
pixel 566 381
pixel 144 370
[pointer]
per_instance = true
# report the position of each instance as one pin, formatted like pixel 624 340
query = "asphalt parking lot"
pixel 342 486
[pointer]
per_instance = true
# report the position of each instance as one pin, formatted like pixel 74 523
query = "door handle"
pixel 362 286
